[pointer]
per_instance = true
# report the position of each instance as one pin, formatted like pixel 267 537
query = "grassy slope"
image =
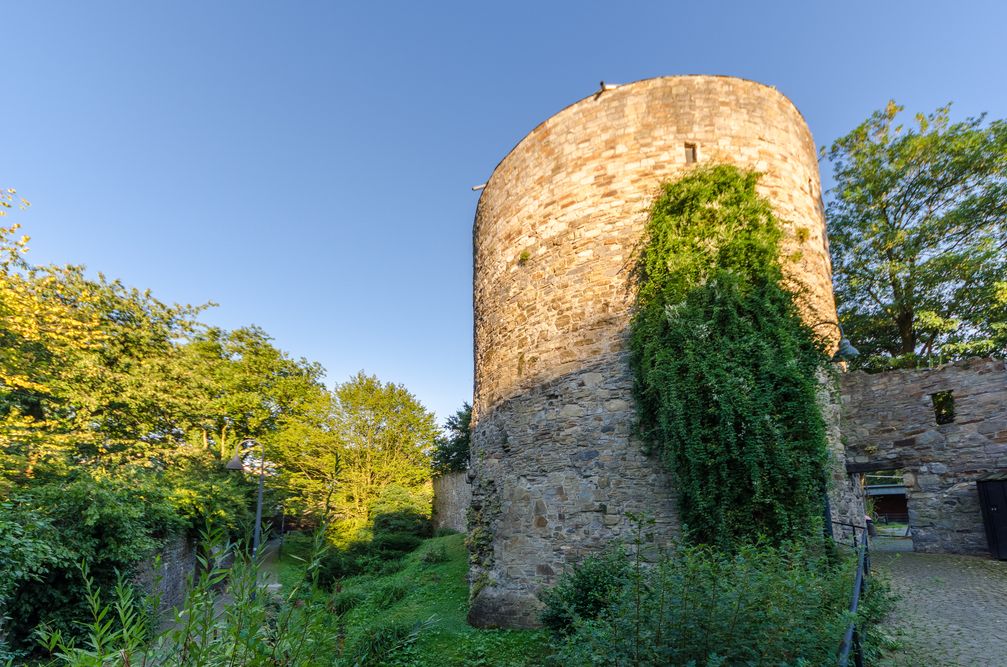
pixel 438 593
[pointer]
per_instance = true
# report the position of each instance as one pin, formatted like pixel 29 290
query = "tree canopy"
pixel 118 411
pixel 452 451
pixel 917 224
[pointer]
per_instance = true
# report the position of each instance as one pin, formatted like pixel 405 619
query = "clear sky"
pixel 308 164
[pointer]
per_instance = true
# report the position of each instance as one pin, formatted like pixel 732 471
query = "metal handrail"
pixel 851 639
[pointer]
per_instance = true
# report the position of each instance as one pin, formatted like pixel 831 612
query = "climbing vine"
pixel 725 369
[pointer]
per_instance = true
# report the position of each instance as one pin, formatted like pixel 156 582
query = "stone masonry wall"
pixel 889 423
pixel 555 467
pixel 170 579
pixel 846 495
pixel 452 495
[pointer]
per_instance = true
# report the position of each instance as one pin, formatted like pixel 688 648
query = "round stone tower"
pixel 555 465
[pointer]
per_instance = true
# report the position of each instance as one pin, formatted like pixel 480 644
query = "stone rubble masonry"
pixel 452 496
pixel 555 465
pixel 171 579
pixel 889 423
pixel 846 497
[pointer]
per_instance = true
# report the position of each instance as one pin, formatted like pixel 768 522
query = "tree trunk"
pixel 906 333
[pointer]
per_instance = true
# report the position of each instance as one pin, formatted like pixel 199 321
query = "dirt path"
pixel 952 609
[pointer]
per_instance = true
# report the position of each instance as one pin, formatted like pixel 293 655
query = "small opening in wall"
pixel 690 153
pixel 944 406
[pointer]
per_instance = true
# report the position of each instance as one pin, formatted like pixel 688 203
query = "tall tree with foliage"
pixel 917 223
pixel 725 369
pixel 452 451
pixel 385 435
pixel 368 437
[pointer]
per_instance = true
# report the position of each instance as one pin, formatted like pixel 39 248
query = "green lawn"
pixel 434 593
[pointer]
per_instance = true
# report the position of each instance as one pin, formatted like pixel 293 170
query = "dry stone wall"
pixel 889 423
pixel 555 466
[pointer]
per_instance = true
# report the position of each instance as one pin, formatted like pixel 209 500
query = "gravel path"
pixel 952 609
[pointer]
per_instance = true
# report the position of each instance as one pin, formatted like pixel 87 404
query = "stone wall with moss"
pixel 555 465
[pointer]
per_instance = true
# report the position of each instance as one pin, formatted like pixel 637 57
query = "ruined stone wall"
pixel 888 422
pixel 452 495
pixel 169 577
pixel 555 466
pixel 846 494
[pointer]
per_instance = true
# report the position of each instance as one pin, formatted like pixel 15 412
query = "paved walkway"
pixel 952 609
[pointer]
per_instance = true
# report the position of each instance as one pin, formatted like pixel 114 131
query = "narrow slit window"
pixel 690 153
pixel 944 406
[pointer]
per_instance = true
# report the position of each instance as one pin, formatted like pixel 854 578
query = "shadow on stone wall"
pixel 452 496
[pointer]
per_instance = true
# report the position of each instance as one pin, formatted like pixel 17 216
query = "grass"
pixel 429 593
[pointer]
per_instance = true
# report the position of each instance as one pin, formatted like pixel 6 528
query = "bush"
pixel 394 545
pixel 380 555
pixel 347 600
pixel 585 592
pixel 112 523
pixel 399 510
pixel 434 555
pixel 756 606
pixel 391 567
pixel 380 642
pixel 253 628
pixel 388 594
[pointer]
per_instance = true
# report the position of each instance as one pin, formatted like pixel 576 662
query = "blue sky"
pixel 307 164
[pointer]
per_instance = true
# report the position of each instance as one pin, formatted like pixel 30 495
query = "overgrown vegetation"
pixel 117 413
pixel 725 368
pixel 252 627
pixel 757 605
pixel 433 606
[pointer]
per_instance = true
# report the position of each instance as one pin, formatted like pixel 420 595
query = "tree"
pixel 350 449
pixel 452 451
pixel 917 224
pixel 385 434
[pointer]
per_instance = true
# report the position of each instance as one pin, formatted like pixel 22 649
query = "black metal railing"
pixel 851 645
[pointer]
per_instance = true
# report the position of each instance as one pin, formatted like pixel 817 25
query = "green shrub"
pixel 390 567
pixel 434 555
pixel 347 600
pixel 251 627
pixel 381 642
pixel 381 555
pixel 112 523
pixel 400 510
pixel 394 545
pixel 759 605
pixel 586 591
pixel 338 564
pixel 388 594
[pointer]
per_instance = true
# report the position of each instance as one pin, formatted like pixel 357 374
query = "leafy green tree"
pixel 372 435
pixel 452 451
pixel 384 434
pixel 917 224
